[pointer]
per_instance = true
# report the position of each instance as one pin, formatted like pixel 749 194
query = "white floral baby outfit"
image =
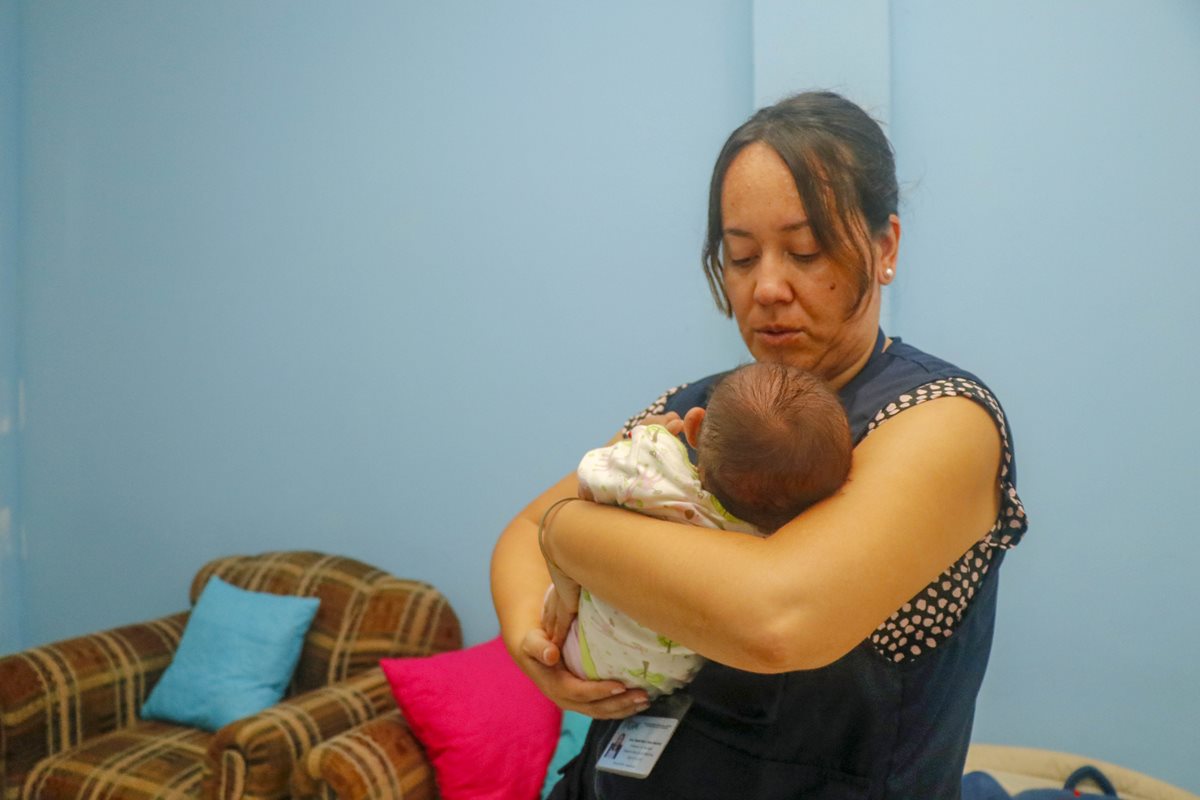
pixel 648 472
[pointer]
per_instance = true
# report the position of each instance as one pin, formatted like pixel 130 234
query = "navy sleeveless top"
pixel 890 719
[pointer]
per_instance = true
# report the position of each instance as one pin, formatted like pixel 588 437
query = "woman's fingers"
pixel 560 605
pixel 538 646
pixel 597 699
pixel 557 616
pixel 671 421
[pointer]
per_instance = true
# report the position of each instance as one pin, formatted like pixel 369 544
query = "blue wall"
pixel 12 605
pixel 1049 150
pixel 266 246
pixel 357 277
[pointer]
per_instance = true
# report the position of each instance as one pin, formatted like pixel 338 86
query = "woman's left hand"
pixel 561 605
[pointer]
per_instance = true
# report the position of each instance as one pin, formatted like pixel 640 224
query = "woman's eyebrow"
pixel 795 226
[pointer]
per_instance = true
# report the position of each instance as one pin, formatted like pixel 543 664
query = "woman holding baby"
pixel 847 648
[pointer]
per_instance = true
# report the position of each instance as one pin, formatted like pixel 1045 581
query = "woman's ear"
pixel 692 421
pixel 887 249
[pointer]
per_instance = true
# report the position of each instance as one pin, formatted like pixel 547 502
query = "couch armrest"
pixel 256 756
pixel 55 696
pixel 378 760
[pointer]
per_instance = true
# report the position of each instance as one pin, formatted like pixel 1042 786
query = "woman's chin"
pixel 793 349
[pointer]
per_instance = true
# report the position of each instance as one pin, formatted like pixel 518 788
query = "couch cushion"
pixel 366 614
pixel 570 742
pixel 237 655
pixel 488 730
pixel 149 760
pixel 54 696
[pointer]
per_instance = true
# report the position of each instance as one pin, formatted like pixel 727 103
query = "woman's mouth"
pixel 778 334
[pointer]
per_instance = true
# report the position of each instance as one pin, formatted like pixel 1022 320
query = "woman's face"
pixel 793 304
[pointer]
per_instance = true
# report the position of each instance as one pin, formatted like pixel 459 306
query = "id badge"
pixel 639 740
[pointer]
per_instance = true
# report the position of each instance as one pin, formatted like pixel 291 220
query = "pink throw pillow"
pixel 485 726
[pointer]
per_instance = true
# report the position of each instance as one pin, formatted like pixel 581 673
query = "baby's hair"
pixel 774 441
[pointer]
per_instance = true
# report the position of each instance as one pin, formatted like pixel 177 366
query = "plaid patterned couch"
pixel 377 760
pixel 69 725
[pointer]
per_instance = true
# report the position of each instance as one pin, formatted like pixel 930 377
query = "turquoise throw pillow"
pixel 236 657
pixel 570 742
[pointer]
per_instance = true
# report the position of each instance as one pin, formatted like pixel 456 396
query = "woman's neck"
pixel 846 375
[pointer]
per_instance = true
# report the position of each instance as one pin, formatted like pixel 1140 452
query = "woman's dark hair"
pixel 845 174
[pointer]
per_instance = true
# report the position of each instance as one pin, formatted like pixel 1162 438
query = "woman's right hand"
pixel 542 662
pixel 671 421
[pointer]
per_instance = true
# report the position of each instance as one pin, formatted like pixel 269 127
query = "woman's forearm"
pixel 519 581
pixel 517 569
pixel 813 590
pixel 518 574
pixel 685 582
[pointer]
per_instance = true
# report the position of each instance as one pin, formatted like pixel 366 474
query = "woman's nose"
pixel 772 284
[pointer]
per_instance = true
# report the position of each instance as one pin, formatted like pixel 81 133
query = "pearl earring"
pixel 888 273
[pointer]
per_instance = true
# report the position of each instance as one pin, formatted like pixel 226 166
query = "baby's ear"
pixel 692 421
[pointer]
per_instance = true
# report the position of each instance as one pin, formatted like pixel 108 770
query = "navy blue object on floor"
pixel 982 786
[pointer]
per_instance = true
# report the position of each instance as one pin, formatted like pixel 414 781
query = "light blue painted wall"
pixel 359 277
pixel 824 44
pixel 12 608
pixel 1049 151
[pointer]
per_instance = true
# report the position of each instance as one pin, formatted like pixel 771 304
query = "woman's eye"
pixel 741 262
pixel 805 258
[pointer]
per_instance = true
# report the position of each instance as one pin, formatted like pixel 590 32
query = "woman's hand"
pixel 561 604
pixel 560 607
pixel 541 660
pixel 542 649
pixel 671 421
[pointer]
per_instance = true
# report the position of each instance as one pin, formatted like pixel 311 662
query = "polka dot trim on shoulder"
pixel 1011 523
pixel 659 406
pixel 931 617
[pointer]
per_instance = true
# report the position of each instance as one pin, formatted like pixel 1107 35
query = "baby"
pixel 773 441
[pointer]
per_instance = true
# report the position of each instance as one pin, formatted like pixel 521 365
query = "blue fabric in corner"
pixel 570 742
pixel 236 657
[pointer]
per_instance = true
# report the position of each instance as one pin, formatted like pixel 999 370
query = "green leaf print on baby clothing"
pixel 653 678
pixel 585 652
pixel 666 643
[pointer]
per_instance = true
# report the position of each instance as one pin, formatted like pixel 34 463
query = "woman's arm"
pixel 519 582
pixel 922 490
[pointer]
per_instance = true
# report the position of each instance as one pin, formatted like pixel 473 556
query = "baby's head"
pixel 774 440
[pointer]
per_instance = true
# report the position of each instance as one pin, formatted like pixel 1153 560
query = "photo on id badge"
pixel 638 741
